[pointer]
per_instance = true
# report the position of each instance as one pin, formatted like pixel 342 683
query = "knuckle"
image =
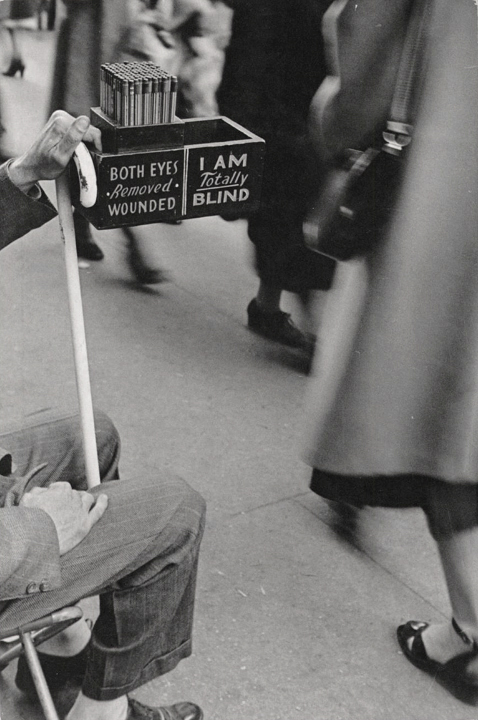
pixel 58 116
pixel 58 125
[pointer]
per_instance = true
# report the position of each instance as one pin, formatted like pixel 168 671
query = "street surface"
pixel 291 623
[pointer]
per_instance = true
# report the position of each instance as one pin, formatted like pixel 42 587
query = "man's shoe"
pixel 277 326
pixel 180 711
pixel 144 274
pixel 85 245
pixel 59 672
pixel 88 249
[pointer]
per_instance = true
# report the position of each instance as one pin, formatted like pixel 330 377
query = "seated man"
pixel 135 544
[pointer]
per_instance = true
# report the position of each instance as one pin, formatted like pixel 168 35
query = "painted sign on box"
pixel 222 180
pixel 137 188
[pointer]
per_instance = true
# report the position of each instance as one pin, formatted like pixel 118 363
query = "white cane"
pixel 65 213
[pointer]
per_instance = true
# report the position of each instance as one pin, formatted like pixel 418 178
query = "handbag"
pixel 359 194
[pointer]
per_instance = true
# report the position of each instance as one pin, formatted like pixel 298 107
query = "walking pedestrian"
pixel 393 405
pixel 90 35
pixel 274 63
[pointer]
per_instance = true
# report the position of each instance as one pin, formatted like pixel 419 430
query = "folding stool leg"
pixel 38 676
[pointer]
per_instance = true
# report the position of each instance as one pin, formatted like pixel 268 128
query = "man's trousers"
pixel 140 558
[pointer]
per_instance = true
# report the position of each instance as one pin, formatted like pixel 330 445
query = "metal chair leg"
pixel 44 694
pixel 25 638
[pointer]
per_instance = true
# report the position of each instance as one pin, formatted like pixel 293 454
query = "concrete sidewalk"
pixel 291 623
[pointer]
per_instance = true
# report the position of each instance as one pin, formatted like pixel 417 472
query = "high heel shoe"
pixel 16 65
pixel 457 670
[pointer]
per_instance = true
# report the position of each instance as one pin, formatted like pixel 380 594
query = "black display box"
pixel 185 169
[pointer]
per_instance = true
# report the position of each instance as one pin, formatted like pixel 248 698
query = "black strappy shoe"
pixel 456 670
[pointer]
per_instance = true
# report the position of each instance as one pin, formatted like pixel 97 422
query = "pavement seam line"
pixel 269 504
pixel 378 564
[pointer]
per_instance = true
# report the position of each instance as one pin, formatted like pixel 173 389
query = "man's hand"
pixel 52 150
pixel 73 512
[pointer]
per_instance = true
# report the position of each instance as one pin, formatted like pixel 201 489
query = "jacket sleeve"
pixel 30 553
pixel 20 213
pixel 363 43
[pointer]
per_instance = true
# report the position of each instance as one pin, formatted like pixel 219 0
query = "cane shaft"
pixel 78 331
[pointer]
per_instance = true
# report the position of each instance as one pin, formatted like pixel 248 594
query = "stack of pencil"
pixel 138 93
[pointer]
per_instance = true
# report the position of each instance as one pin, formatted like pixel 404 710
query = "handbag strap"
pixel 410 74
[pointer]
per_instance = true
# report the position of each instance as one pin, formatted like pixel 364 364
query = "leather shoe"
pixel 61 672
pixel 144 274
pixel 88 249
pixel 277 326
pixel 458 670
pixel 85 245
pixel 180 711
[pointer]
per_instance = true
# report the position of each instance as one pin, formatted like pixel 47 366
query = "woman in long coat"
pixel 393 410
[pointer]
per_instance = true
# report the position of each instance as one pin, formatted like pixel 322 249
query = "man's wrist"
pixel 21 175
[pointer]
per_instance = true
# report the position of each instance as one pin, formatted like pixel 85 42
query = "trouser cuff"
pixel 93 688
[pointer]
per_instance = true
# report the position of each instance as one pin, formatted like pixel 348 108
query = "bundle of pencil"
pixel 138 93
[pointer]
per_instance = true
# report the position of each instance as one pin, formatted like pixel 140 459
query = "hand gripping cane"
pixel 88 192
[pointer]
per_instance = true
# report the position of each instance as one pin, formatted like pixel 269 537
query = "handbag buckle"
pixel 397 136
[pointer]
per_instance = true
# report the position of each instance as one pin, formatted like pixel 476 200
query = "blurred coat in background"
pixel 187 38
pixel 274 65
pixel 88 36
pixel 95 32
pixel 396 387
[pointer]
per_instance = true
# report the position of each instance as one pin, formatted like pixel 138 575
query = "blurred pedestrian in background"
pixel 274 64
pixel 17 16
pixel 394 402
pixel 20 11
pixel 203 39
pixel 188 39
pixel 92 34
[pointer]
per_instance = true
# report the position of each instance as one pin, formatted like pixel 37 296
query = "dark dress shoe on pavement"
pixel 180 711
pixel 59 671
pixel 145 274
pixel 85 245
pixel 277 326
pixel 88 249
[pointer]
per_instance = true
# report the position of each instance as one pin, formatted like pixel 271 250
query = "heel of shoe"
pixel 463 669
pixel 16 65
